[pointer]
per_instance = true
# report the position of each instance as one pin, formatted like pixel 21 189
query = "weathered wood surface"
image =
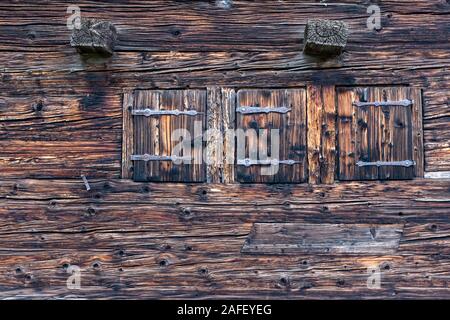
pixel 147 240
pixel 154 135
pixel 325 37
pixel 308 238
pixel 321 133
pixel 248 45
pixel 61 116
pixel 258 128
pixel 384 133
pixel 92 36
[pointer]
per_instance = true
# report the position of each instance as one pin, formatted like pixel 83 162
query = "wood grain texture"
pixel 214 144
pixel 61 116
pixel 296 238
pixel 209 46
pixel 386 133
pixel 183 241
pixel 314 129
pixel 220 147
pixel 228 126
pixel 328 145
pixel 259 131
pixel 321 133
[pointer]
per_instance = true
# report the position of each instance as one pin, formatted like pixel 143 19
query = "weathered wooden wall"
pixel 61 116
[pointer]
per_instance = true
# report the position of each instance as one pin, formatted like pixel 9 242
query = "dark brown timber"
pixel 63 115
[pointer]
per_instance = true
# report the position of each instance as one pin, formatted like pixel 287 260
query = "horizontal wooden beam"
pixel 301 238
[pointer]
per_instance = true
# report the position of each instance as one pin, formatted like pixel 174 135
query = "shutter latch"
pixel 405 163
pixel 152 113
pixel 401 103
pixel 251 110
pixel 147 157
pixel 274 162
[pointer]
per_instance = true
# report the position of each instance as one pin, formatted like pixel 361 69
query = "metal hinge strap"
pixel 405 163
pixel 274 162
pixel 152 113
pixel 147 157
pixel 401 103
pixel 251 110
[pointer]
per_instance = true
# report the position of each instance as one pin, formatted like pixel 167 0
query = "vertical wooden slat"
pixel 321 132
pixel 387 142
pixel 220 126
pixel 214 128
pixel 383 133
pixel 346 139
pixel 128 135
pixel 250 124
pixel 170 100
pixel 315 119
pixel 145 136
pixel 291 129
pixel 370 149
pixel 417 131
pixel 297 134
pixel 228 121
pixel 327 170
pixel 140 123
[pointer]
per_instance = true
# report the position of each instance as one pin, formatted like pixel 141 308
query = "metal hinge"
pixel 250 110
pixel 152 113
pixel 147 157
pixel 405 163
pixel 401 103
pixel 274 162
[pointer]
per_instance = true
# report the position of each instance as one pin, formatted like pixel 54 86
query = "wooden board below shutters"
pixel 292 133
pixel 153 135
pixel 379 133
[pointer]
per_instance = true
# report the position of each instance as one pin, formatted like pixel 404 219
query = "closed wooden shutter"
pixel 379 133
pixel 282 109
pixel 153 134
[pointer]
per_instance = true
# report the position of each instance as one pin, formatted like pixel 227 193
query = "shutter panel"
pixel 153 134
pixel 379 133
pixel 283 109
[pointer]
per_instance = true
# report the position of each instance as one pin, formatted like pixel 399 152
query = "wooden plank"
pixel 387 138
pixel 314 128
pixel 128 135
pixel 321 133
pixel 141 30
pixel 401 128
pixel 415 94
pixel 292 134
pixel 214 145
pixel 382 133
pixel 146 135
pixel 437 175
pixel 368 122
pixel 328 147
pixel 228 123
pixel 153 135
pixel 182 100
pixel 346 134
pixel 296 238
